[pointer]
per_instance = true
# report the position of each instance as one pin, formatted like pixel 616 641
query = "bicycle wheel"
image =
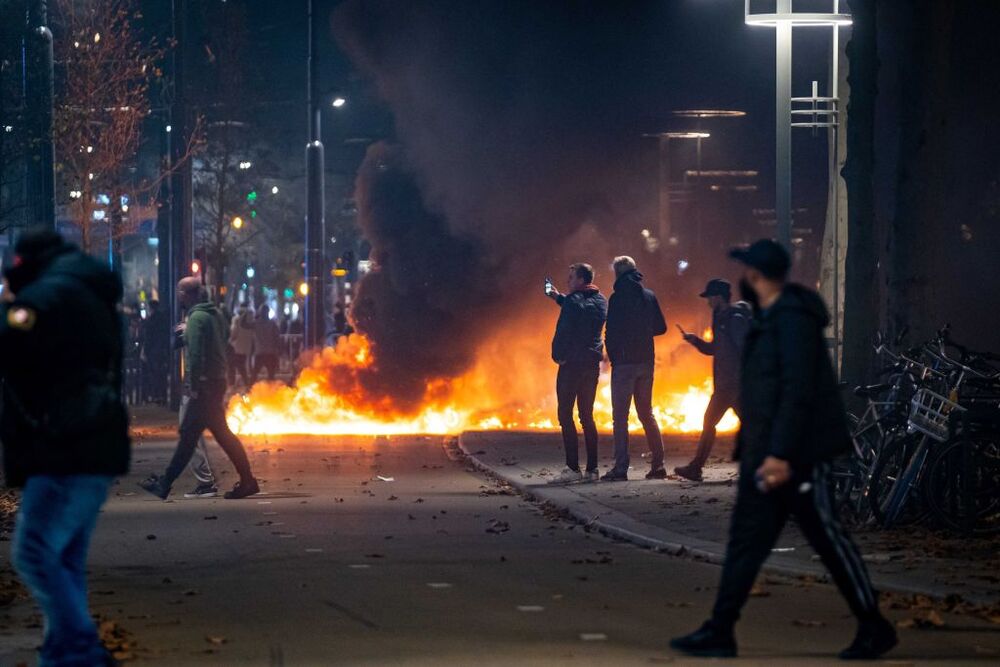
pixel 887 475
pixel 962 485
pixel 849 473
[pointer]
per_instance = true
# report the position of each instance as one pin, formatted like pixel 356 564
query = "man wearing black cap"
pixel 792 424
pixel 730 324
pixel 64 426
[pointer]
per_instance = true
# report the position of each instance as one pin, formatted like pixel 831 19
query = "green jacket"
pixel 205 344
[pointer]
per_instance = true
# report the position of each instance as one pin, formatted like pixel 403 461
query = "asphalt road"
pixel 431 565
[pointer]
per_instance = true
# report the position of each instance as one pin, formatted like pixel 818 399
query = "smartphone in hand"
pixel 550 289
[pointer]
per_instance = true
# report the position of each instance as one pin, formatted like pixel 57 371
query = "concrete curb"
pixel 616 524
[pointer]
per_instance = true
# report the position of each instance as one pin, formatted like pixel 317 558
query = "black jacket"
pixel 578 331
pixel 634 318
pixel 60 361
pixel 729 329
pixel 790 405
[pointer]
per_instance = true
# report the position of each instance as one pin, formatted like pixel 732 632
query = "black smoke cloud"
pixel 517 123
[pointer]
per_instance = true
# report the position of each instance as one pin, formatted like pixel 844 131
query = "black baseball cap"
pixel 765 255
pixel 717 287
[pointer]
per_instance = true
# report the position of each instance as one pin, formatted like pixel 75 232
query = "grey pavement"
pixel 388 551
pixel 692 518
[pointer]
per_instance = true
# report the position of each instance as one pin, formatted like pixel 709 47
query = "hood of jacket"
pixel 204 307
pixel 797 297
pixel 97 276
pixel 629 281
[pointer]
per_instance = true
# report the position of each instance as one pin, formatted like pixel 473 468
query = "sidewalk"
pixel 692 519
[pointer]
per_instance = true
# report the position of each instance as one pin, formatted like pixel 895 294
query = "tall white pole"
pixel 783 128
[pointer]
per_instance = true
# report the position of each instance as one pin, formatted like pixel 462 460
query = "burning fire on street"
pixel 328 398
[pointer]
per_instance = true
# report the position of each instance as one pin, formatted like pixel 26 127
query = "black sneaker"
pixel 154 484
pixel 203 490
pixel 873 639
pixel 708 641
pixel 614 476
pixel 690 471
pixel 242 489
pixel 656 473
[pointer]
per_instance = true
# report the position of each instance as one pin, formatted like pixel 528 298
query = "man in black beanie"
pixel 64 427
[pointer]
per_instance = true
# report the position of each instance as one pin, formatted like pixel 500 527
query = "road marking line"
pixel 529 608
pixel 593 636
pixel 439 585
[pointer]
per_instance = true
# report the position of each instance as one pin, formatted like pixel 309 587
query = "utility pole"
pixel 181 242
pixel 38 83
pixel 315 324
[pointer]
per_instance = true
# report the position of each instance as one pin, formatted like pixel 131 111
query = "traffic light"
pixel 252 197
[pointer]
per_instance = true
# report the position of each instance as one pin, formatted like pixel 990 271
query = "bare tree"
pixel 105 68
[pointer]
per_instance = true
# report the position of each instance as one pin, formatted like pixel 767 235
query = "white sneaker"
pixel 567 476
pixel 591 476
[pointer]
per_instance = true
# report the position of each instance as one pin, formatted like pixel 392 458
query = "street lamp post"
pixel 700 115
pixel 665 223
pixel 315 323
pixel 39 95
pixel 783 20
pixel 822 112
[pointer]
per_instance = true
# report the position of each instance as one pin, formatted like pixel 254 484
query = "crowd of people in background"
pixel 260 346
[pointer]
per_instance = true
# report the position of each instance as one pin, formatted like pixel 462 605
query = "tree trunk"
pixel 860 304
pixel 917 247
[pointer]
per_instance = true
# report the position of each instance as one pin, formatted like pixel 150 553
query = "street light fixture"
pixel 664 139
pixel 783 20
pixel 338 102
pixel 710 113
pixel 237 222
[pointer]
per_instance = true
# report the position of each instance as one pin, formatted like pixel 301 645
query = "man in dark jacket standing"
pixel 204 335
pixel 793 424
pixel 578 350
pixel 634 318
pixel 730 324
pixel 64 426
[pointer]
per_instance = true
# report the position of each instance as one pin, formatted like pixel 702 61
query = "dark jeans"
pixel 630 381
pixel 264 361
pixel 722 399
pixel 207 410
pixel 758 519
pixel 54 524
pixel 577 383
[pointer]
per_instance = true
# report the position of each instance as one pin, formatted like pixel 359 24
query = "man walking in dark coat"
pixel 64 426
pixel 793 424
pixel 578 350
pixel 730 324
pixel 204 334
pixel 634 318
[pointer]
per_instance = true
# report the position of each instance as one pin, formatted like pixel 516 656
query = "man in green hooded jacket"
pixel 204 337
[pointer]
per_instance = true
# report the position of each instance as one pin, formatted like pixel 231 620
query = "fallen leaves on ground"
pixel 116 639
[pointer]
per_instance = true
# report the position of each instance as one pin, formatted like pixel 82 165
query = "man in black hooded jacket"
pixel 64 427
pixel 634 319
pixel 577 348
pixel 792 424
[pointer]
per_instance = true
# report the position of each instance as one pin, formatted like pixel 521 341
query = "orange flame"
pixel 506 390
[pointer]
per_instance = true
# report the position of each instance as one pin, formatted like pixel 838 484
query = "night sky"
pixel 632 63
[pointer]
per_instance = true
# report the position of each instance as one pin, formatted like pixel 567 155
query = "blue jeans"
pixel 630 381
pixel 54 525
